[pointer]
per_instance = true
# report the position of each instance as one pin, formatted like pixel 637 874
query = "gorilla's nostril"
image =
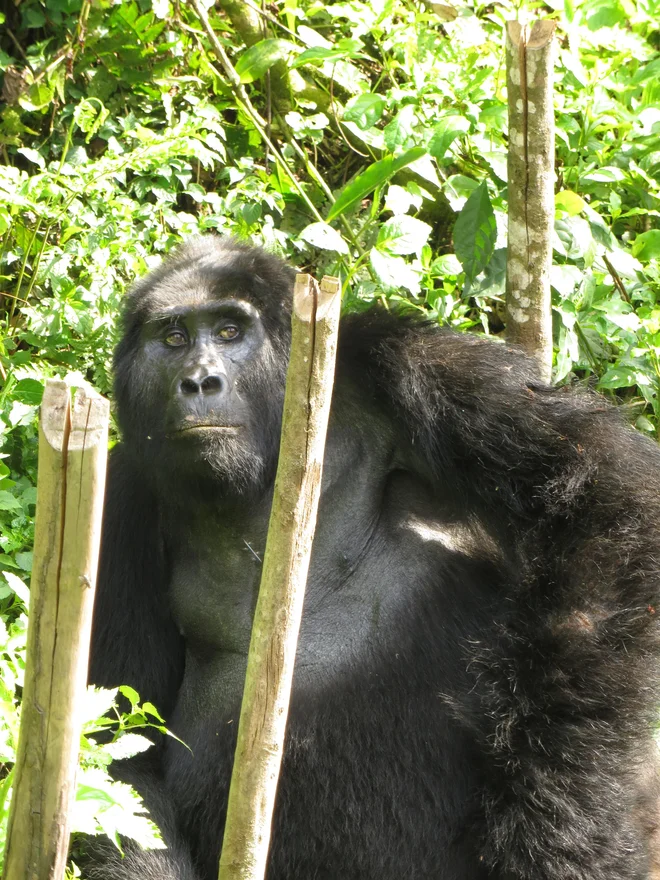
pixel 189 386
pixel 211 384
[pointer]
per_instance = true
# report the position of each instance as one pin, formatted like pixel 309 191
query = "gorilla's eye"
pixel 175 338
pixel 229 331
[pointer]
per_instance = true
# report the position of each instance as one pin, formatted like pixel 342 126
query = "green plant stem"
pixel 245 104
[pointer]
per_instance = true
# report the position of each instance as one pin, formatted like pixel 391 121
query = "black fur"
pixel 477 676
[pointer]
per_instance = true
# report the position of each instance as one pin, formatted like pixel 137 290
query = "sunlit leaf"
pixel 445 132
pixel 323 236
pixel 255 61
pixel 366 110
pixel 403 235
pixel 374 175
pixel 475 232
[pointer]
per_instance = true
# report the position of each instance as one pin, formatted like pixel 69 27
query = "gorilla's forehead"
pixel 190 287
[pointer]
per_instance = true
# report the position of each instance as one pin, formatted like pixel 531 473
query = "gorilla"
pixel 477 676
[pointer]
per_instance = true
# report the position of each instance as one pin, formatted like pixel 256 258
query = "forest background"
pixel 360 139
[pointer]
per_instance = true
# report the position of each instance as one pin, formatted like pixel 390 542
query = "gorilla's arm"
pixel 569 685
pixel 134 642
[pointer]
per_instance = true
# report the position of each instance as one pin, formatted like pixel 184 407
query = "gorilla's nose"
pixel 202 382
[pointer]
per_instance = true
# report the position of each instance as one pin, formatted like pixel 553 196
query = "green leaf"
pixel 618 377
pixel 97 702
pixel 399 131
pixel 318 54
pixel 131 695
pixel 25 561
pixel 28 391
pixel 18 587
pixel 647 245
pixel 256 60
pixel 569 202
pixel 161 8
pixel 375 175
pixel 449 128
pixel 89 116
pixel 609 174
pixel 33 156
pixel 366 110
pixel 37 98
pixel 403 235
pixel 323 236
pixel 8 501
pixel 150 709
pixel 475 232
pixel 393 272
pixel 127 745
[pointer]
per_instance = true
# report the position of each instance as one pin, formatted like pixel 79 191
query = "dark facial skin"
pixel 201 354
pixel 205 365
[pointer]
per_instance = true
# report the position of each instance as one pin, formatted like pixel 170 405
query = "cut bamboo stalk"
pixel 73 442
pixel 531 179
pixel 271 657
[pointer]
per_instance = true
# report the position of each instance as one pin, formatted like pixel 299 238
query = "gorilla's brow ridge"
pixel 180 311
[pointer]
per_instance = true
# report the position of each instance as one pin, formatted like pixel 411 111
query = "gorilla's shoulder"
pixel 469 402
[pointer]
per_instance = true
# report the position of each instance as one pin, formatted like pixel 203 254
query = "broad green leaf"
pixel 618 377
pixel 449 128
pixel 366 110
pixel 403 235
pixel 644 424
pixel 161 8
pixel 393 272
pixel 33 156
pixel 569 201
pixel 97 702
pixel 127 745
pixel 24 560
pixel 9 501
pixel 318 54
pixel 374 175
pixel 647 245
pixel 458 188
pixel 565 278
pixel 425 168
pixel 256 60
pixel 398 199
pixel 475 232
pixel 38 97
pixel 609 174
pixel 323 236
pixel 399 131
pixel 131 695
pixel 446 264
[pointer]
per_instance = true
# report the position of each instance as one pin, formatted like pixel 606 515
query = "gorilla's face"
pixel 200 380
pixel 209 359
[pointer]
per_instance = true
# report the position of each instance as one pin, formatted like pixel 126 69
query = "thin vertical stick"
pixel 73 442
pixel 271 657
pixel 531 177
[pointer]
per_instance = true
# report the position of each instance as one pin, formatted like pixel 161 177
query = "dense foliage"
pixel 366 139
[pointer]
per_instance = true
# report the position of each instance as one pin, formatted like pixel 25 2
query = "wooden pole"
pixel 531 178
pixel 262 724
pixel 73 442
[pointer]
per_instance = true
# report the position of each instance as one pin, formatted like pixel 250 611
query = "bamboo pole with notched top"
pixel 73 443
pixel 271 657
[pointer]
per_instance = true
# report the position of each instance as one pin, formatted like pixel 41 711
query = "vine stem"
pixel 243 99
